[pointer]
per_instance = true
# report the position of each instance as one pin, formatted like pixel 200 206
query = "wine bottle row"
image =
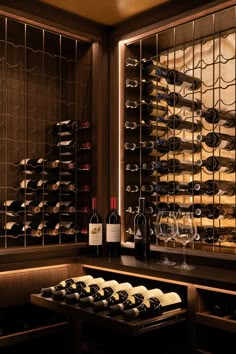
pixel 199 210
pixel 116 298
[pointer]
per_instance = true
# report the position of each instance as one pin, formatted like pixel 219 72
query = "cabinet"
pixel 203 49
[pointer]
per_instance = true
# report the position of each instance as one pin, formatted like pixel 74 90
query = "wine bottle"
pixel 177 145
pixel 50 228
pixel 95 237
pixel 172 76
pixel 219 164
pixel 141 233
pixel 47 292
pixel 69 127
pixel 67 207
pixel 221 211
pixel 176 122
pixel 132 188
pixel 149 107
pixel 159 147
pixel 214 187
pixel 174 99
pixel 101 294
pixel 30 184
pixel 79 287
pixel 214 234
pixel 67 147
pixel 31 165
pixel 68 228
pixel 31 207
pixel 154 306
pixel 50 207
pixel 58 165
pixel 14 228
pixel 149 66
pixel 160 167
pixel 12 207
pixel 218 140
pixel 177 78
pixel 33 229
pixel 117 297
pixel 149 87
pixel 157 128
pixel 133 300
pixel 86 300
pixel 177 188
pixel 199 210
pixel 180 167
pixel 219 117
pixel 113 230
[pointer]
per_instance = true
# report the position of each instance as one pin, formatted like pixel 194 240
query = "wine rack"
pixel 153 65
pixel 45 108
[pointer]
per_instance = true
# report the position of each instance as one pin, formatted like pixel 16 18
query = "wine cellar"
pixel 97 116
pixel 179 127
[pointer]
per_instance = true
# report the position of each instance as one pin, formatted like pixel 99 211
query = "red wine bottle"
pixel 214 187
pixel 69 127
pixel 113 230
pixel 149 87
pixel 95 237
pixel 177 145
pixel 151 128
pixel 141 233
pixel 177 167
pixel 177 78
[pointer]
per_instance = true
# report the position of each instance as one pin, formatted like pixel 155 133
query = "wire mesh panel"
pixel 45 136
pixel 179 139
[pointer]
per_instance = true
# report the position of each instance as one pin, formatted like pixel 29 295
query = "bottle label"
pixel 8 202
pixel 24 183
pixel 9 225
pixel 169 299
pixel 140 233
pixel 113 232
pixel 64 143
pixel 95 234
pixel 223 144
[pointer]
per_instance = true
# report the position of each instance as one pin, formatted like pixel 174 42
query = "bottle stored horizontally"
pixel 218 140
pixel 13 207
pixel 133 300
pixel 177 78
pixel 172 76
pixel 113 230
pixel 14 228
pixel 199 210
pixel 214 234
pixel 160 167
pixel 221 211
pixel 108 289
pixel 68 147
pixel 141 233
pixel 219 117
pixel 178 145
pixel 47 292
pixel 151 128
pixel 149 87
pixel 151 107
pixel 119 295
pixel 176 122
pixel 174 99
pixel 68 228
pixel 69 127
pixel 214 187
pixel 31 165
pixel 154 306
pixel 95 237
pixel 149 66
pixel 85 300
pixel 159 147
pixel 219 164
pixel 78 287
pixel 179 167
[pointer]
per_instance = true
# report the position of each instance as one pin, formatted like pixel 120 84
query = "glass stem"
pixel 184 254
pixel 166 258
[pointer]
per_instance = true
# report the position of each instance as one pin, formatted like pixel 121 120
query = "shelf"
pixel 225 323
pixel 133 328
pixel 32 334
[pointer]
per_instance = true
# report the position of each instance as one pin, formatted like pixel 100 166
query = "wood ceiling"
pixel 106 12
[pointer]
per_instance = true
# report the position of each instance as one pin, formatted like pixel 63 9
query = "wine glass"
pixel 186 232
pixel 165 229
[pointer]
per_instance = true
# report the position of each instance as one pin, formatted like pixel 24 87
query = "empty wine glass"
pixel 186 232
pixel 165 229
